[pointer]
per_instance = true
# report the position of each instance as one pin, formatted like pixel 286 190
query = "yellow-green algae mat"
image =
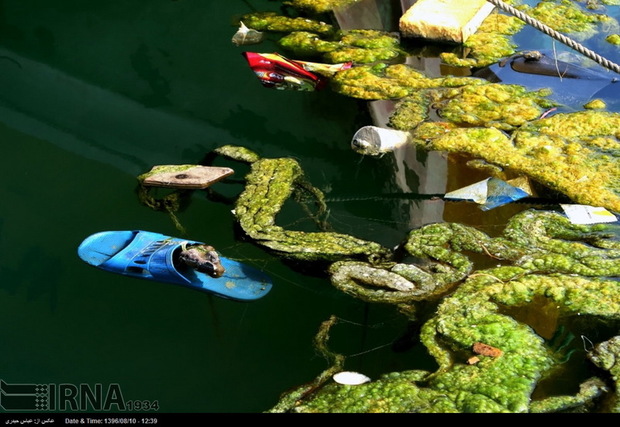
pixel 543 255
pixel 504 126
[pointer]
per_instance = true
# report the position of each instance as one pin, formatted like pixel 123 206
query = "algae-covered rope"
pixel 556 35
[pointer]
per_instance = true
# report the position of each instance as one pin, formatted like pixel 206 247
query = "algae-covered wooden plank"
pixel 444 20
pixel 184 176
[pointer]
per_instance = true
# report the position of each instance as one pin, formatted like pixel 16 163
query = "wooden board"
pixel 444 20
pixel 184 176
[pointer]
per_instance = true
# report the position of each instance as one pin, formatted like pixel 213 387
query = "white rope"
pixel 558 36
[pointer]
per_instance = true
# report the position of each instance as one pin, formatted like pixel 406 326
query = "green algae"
pixel 573 153
pixel 271 21
pixel 501 106
pixel 307 44
pixel 493 39
pixel 595 104
pixel 270 183
pixel 550 258
pixel 309 38
pixel 358 46
pixel 533 241
pixel 462 101
pixel 494 384
pixel 606 355
pixel 566 16
pixel 319 6
pixel 171 201
pixel 391 81
pixel 491 42
pixel 410 111
pixel 545 256
pixel 613 39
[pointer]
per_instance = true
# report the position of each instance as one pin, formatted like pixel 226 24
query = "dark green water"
pixel 93 94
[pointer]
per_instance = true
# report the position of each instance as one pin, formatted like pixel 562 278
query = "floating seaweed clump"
pixel 271 21
pixel 501 106
pixel 547 257
pixel 502 381
pixel 269 184
pixel 574 153
pixel 613 39
pixel 319 6
pixel 543 255
pixel 359 46
pixel 382 81
pixel 539 256
pixel 493 39
pixel 491 42
pixel 567 17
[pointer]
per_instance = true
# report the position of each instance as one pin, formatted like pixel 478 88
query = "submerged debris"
pixel 246 36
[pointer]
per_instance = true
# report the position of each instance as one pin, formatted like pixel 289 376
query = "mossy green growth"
pixel 501 106
pixel 533 241
pixel 546 256
pixel 271 21
pixel 307 44
pixel 164 169
pixel 409 112
pixel 384 81
pixel 566 16
pixel 595 104
pixel 473 314
pixel 496 105
pixel 493 39
pixel 573 153
pixel 319 6
pixel 613 39
pixel 269 184
pixel 359 46
pixel 491 42
pixel 606 355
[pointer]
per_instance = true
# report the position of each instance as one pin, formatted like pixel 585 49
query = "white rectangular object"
pixel 444 20
pixel 584 214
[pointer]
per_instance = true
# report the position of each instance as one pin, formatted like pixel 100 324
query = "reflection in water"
pixel 142 62
pixel 416 172
pixel 44 280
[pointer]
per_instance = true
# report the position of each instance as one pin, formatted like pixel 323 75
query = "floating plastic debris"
pixel 350 378
pixel 275 71
pixel 373 140
pixel 585 214
pixel 489 193
pixel 245 36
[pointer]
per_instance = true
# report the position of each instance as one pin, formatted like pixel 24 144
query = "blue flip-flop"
pixel 151 256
